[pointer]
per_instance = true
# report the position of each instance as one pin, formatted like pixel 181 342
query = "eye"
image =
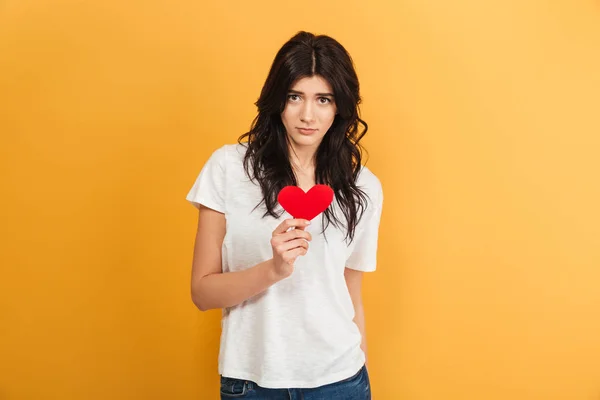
pixel 293 97
pixel 327 100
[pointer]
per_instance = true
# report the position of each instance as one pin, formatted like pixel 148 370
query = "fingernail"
pixel 307 222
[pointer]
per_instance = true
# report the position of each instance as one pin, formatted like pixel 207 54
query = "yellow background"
pixel 484 130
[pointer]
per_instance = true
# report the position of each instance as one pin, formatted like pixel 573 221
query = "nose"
pixel 307 113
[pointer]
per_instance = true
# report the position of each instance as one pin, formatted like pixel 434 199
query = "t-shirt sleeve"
pixel 364 254
pixel 209 187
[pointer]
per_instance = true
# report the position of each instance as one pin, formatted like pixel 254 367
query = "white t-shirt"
pixel 299 333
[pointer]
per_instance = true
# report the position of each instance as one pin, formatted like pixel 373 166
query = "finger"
pixel 289 223
pixel 290 236
pixel 290 257
pixel 295 234
pixel 292 244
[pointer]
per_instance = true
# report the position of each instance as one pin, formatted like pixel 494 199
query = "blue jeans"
pixel 357 387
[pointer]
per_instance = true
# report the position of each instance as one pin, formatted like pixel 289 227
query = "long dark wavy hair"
pixel 338 157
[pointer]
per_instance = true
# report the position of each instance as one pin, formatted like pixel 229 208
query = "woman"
pixel 293 321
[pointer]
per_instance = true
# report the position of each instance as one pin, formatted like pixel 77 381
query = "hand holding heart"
pixel 290 244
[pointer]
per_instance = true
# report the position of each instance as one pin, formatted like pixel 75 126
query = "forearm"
pixel 359 320
pixel 232 288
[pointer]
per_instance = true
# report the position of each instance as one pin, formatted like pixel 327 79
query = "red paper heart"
pixel 305 205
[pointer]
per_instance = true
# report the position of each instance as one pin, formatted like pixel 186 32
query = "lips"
pixel 306 131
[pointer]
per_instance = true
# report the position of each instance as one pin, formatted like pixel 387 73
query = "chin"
pixel 309 142
pixel 302 140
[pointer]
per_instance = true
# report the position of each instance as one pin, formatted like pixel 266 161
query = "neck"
pixel 302 158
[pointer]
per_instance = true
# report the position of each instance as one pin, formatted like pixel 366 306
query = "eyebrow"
pixel 318 94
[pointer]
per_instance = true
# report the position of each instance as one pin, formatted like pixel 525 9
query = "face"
pixel 309 111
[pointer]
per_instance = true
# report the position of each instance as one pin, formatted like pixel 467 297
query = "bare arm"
pixel 354 283
pixel 210 287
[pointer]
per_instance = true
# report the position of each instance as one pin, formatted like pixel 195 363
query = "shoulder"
pixel 370 184
pixel 229 153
